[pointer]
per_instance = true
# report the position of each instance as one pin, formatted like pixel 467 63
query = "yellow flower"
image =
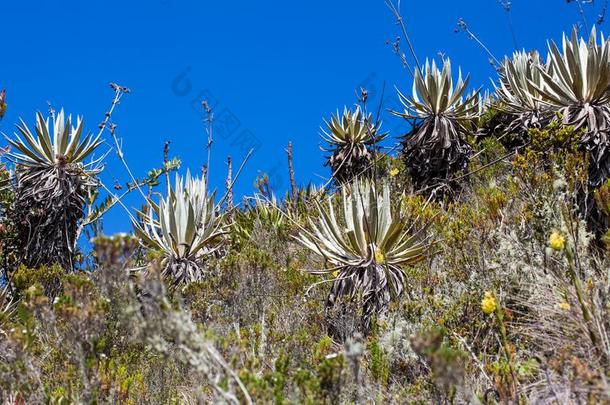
pixel 557 241
pixel 394 172
pixel 564 305
pixel 489 303
pixel 379 257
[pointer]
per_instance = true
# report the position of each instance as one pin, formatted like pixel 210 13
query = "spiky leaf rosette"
pixel 186 227
pixel 519 98
pixel 436 148
pixel 350 139
pixel 51 183
pixel 493 121
pixel 577 85
pixel 367 246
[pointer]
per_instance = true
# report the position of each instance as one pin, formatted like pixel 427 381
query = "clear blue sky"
pixel 276 67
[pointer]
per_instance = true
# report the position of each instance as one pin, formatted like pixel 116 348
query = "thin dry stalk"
pixel 395 9
pixel 293 184
pixel 462 26
pixel 229 185
pixel 165 164
pixel 209 120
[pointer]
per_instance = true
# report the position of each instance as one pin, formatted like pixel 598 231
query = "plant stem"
pixel 229 185
pixel 499 313
pixel 293 184
pixel 165 164
pixel 395 9
pixel 209 120
pixel 580 295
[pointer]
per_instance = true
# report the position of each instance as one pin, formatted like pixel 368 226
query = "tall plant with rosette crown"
pixel 367 247
pixel 519 97
pixel 576 84
pixel 351 139
pixel 51 180
pixel 436 148
pixel 186 227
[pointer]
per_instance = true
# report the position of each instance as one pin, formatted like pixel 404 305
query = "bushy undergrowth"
pixel 512 306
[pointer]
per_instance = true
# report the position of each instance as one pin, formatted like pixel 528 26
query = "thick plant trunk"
pixel 47 209
pixel 350 162
pixel 360 294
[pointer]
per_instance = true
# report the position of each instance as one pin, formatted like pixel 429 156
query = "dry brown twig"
pixel 462 26
pixel 209 120
pixel 229 185
pixel 395 9
pixel 293 184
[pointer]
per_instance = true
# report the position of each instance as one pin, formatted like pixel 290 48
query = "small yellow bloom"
pixel 379 257
pixel 489 303
pixel 557 241
pixel 564 305
pixel 590 284
pixel 394 172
